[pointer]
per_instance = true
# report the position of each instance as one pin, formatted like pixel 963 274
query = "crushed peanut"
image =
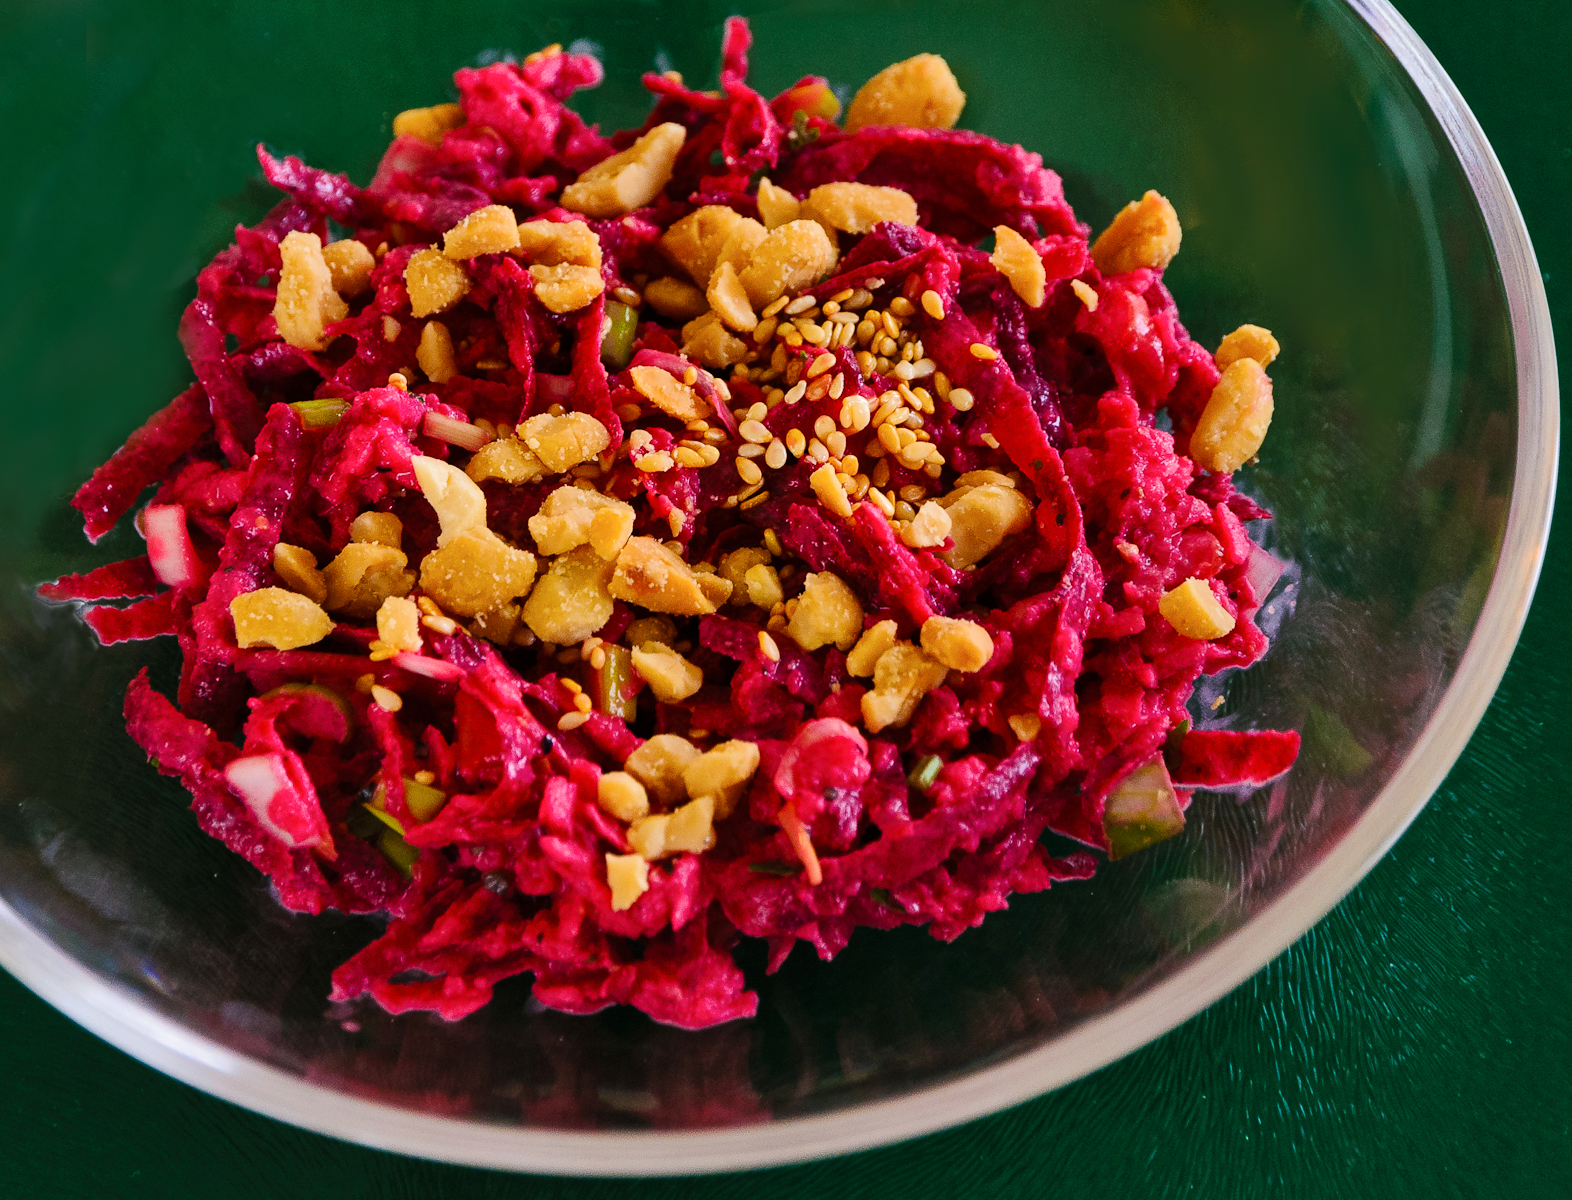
pixel 722 774
pixel 476 572
pixel 398 624
pixel 919 91
pixel 1025 726
pixel 428 124
pixel 870 647
pixel 929 528
pixel 1235 420
pixel 435 283
pixel 1146 233
pixel 903 676
pixel 628 876
pixel 858 207
pixel 694 243
pixel 555 243
pixel 671 677
pixel 650 575
pixel 297 567
pixel 763 585
pixel 1248 341
pixel 730 302
pixel 506 459
pixel 959 644
pixel 659 763
pixel 306 302
pixel 790 257
pixel 459 503
pixel 434 355
pixel 1014 258
pixel 622 796
pixel 1193 610
pixel 831 493
pixel 565 287
pixel 669 394
pixel 350 264
pixel 734 568
pixel 981 518
pixel 777 206
pixel 385 529
pixel 490 230
pixel 708 340
pixel 572 599
pixel 828 614
pixel 688 830
pixel 564 441
pixel 573 516
pixel 623 182
pixel 274 617
pixel 675 299
pixel 362 576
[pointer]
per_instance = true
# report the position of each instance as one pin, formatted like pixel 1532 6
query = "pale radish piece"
pixel 1262 571
pixel 455 432
pixel 169 547
pixel 432 668
pixel 283 801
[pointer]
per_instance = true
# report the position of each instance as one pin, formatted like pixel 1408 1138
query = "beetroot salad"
pixel 588 551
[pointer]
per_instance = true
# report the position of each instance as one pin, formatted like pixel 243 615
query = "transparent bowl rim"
pixel 117 1015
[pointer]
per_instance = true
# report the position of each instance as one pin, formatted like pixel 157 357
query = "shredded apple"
pixel 613 547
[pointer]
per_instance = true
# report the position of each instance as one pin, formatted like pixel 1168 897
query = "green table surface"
pixel 1418 1042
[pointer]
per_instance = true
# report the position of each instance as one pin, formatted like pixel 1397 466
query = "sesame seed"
pixel 775 306
pixel 961 400
pixel 775 455
pixel 822 425
pixel 749 472
pixel 865 363
pixel 903 371
pixel 754 501
pixel 751 450
pixel 882 502
pixel 837 386
pixel 364 683
pixel 675 520
pixel 800 305
pixel 686 457
pixel 443 625
pixel 772 542
pixel 902 307
pixel 990 441
pixel 814 335
pixel 765 330
pixel 756 412
pixel 796 442
pixel 798 390
pixel 397 380
pixel 933 305
pixel 754 430
pixel 889 437
pixel 849 464
pixel 572 720
pixel 597 659
pixel 387 700
pixel 820 365
pixel 892 327
pixel 835 440
pixel 816 451
pixel 843 295
pixel 932 469
pixel 768 648
pixel 986 353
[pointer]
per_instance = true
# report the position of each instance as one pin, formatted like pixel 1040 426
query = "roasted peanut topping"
pixel 688 830
pixel 435 283
pixel 362 576
pixel 723 774
pixel 273 617
pixel 776 205
pixel 428 124
pixel 858 207
pixel 628 180
pixel 306 302
pixel 622 796
pixel 981 518
pixel 707 340
pixel 959 644
pixel 671 677
pixel 669 394
pixel 398 624
pixel 729 300
pixel 552 243
pixel 297 567
pixel 1193 610
pixel 675 298
pixel 1146 233
pixel 565 441
pixel 930 527
pixel 650 575
pixel 828 614
pixel 460 505
pixel 659 763
pixel 507 459
pixel 793 256
pixel 918 91
pixel 570 601
pixel 434 355
pixel 566 288
pixel 694 243
pixel 490 230
pixel 1248 341
pixel 1014 258
pixel 1235 420
pixel 870 647
pixel 628 877
pixel 476 572
pixel 384 529
pixel 574 516
pixel 902 677
pixel 350 264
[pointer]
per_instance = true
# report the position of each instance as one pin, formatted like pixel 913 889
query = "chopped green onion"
pixel 320 414
pixel 886 898
pixel 327 693
pixel 616 345
pixel 775 868
pixel 422 800
pixel 1142 811
pixel 926 770
pixel 613 681
pixel 364 823
pixel 376 810
pixel 397 851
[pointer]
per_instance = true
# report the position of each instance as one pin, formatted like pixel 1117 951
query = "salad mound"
pixel 587 551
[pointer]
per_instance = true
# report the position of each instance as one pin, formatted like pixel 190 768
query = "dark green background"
pixel 1415 1043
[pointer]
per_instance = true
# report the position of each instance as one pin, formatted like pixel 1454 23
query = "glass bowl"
pixel 1333 186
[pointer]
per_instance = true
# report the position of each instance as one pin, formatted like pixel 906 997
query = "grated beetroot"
pixel 455 786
